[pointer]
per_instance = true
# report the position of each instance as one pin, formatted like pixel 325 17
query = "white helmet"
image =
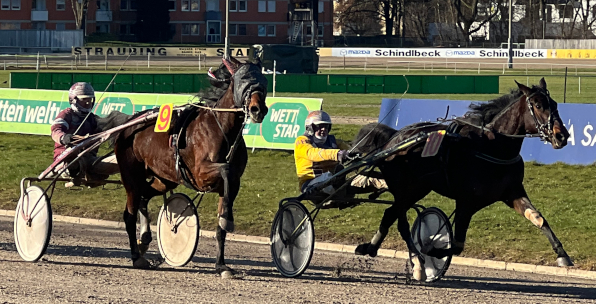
pixel 316 118
pixel 79 91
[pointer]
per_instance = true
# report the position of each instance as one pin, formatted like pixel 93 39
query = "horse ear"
pixel 230 65
pixel 524 89
pixel 542 83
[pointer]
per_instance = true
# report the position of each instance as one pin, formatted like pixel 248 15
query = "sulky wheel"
pixel 433 237
pixel 32 224
pixel 292 239
pixel 178 230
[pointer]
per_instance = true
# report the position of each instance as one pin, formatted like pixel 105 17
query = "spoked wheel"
pixel 32 224
pixel 292 239
pixel 433 237
pixel 178 230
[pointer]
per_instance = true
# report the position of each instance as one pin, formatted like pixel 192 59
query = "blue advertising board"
pixel 580 149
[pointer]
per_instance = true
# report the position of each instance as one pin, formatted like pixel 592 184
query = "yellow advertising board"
pixel 572 53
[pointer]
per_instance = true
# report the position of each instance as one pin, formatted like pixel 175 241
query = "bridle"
pixel 545 130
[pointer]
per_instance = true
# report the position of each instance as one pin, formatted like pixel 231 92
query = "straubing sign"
pixel 33 111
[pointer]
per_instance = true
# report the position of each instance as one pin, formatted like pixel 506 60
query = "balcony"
pixel 39 15
pixel 103 16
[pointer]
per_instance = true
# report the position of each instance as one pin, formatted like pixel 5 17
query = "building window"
pixel 241 29
pixel 60 26
pixel 103 5
pixel 266 6
pixel 233 5
pixel 194 5
pixel 242 5
pixel 126 29
pixel 38 5
pixel 185 6
pixel 212 5
pixel 10 26
pixel 233 30
pixel 190 29
pixel 266 30
pixel 320 30
pixel 172 5
pixel 16 5
pixel 5 4
pixel 128 5
pixel 60 5
pixel 321 6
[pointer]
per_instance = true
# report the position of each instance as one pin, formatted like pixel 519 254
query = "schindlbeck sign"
pixel 158 51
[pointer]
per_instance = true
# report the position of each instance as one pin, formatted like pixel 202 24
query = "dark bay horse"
pixel 214 155
pixel 478 168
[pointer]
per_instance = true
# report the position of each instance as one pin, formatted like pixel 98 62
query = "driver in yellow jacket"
pixel 317 153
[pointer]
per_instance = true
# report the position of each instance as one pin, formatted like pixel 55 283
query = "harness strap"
pixel 497 161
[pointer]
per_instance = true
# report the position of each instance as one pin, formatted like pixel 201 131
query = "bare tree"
pixel 387 12
pixel 473 15
pixel 358 17
pixel 587 14
pixel 79 8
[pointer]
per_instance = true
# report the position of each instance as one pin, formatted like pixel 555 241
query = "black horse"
pixel 477 168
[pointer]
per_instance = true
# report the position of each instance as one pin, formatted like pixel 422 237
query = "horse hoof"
pixel 564 262
pixel 418 271
pixel 141 263
pixel 228 275
pixel 142 247
pixel 226 225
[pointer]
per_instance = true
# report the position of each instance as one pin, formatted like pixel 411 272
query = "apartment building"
pixel 193 21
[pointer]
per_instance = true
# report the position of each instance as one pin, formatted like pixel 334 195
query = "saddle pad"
pixel 433 143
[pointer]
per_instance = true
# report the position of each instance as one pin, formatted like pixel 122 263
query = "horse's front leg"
pixel 226 220
pixel 524 207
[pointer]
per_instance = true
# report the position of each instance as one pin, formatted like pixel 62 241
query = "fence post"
pixel 551 68
pixel 503 69
pixel 45 59
pixel 148 60
pixel 17 58
pixel 344 62
pixel 526 69
pixel 199 62
pixel 106 62
pixel 580 84
pixel 408 66
pixel 86 60
pixel 478 68
pixel 431 67
pixel 37 65
pixel 274 74
pixel 455 68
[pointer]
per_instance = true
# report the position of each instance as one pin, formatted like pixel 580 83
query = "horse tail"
pixel 372 137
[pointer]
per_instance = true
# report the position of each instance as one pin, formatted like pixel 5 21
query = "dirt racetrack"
pixel 89 264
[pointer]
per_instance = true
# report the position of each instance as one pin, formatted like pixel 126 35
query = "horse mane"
pixel 218 86
pixel 486 112
pixel 372 136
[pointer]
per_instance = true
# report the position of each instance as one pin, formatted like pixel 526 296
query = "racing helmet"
pixel 77 93
pixel 316 118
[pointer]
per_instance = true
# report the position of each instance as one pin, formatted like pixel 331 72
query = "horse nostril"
pixel 254 109
pixel 559 136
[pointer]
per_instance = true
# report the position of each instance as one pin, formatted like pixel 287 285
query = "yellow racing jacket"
pixel 312 160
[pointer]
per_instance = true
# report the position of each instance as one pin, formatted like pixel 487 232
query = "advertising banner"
pixel 577 118
pixel 434 53
pixel 33 111
pixel 157 51
pixel 572 54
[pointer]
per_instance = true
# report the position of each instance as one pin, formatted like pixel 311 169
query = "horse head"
pixel 249 87
pixel 543 116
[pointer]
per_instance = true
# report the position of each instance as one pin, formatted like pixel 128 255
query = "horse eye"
pixel 538 106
